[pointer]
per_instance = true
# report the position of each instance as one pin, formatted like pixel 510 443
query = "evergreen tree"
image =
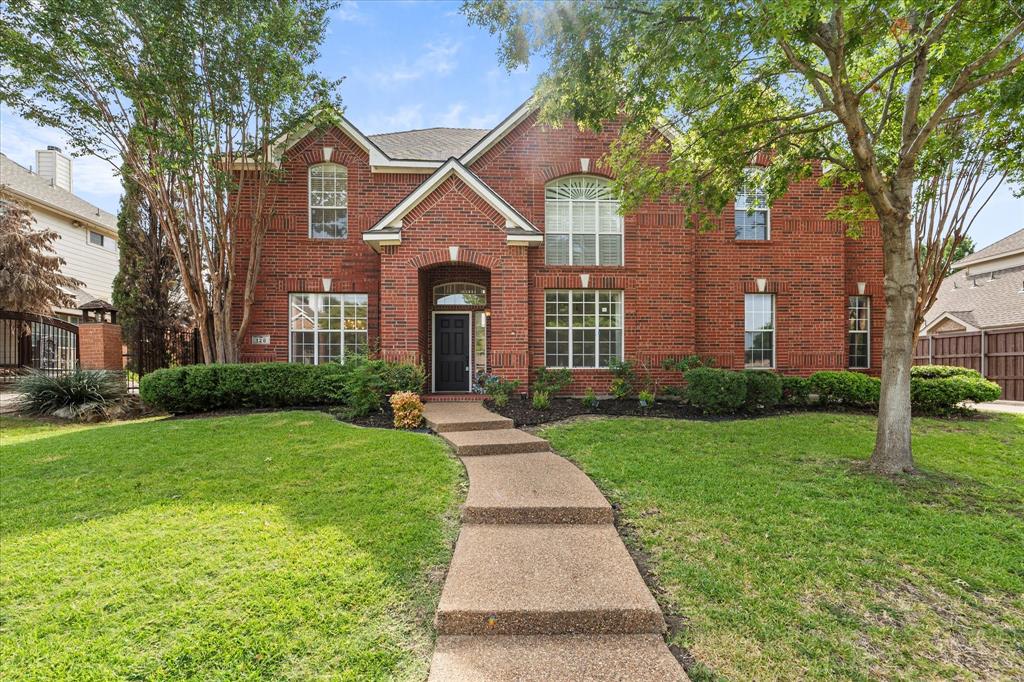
pixel 147 289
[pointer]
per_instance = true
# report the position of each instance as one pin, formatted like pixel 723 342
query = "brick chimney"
pixel 55 166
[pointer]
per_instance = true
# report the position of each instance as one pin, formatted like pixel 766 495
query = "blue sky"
pixel 406 65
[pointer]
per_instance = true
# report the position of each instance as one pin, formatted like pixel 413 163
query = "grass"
pixel 272 546
pixel 786 560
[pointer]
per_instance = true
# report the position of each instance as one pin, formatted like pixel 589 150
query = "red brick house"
pixel 503 250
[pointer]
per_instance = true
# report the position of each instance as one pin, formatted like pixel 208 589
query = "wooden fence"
pixel 999 355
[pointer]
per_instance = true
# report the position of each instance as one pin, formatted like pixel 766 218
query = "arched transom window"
pixel 581 222
pixel 460 293
pixel 328 201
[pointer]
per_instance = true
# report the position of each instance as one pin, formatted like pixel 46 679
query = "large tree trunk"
pixel 892 452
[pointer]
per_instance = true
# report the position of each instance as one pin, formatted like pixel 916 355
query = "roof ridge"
pixel 420 130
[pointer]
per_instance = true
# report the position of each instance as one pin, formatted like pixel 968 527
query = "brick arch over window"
pixel 558 171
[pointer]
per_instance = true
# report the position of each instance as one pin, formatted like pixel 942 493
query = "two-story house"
pixel 88 235
pixel 504 250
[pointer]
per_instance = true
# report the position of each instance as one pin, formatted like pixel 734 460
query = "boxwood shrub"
pixel 360 385
pixel 796 391
pixel 764 390
pixel 943 371
pixel 943 395
pixel 716 391
pixel 849 389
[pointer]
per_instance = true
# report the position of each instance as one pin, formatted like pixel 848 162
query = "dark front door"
pixel 451 352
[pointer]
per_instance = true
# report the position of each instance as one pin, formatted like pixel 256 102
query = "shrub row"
pixel 359 385
pixel 933 390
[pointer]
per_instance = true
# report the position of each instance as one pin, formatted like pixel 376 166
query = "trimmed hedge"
pixel 716 391
pixel 942 372
pixel 796 391
pixel 764 390
pixel 849 389
pixel 360 385
pixel 943 395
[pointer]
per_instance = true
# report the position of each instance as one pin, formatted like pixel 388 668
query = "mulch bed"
pixel 522 413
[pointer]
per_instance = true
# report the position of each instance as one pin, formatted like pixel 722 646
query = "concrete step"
pixel 531 487
pixel 494 442
pixel 444 417
pixel 536 658
pixel 544 580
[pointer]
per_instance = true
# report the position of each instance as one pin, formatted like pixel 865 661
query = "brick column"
pixel 99 346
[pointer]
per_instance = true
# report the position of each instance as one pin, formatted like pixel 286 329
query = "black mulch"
pixel 522 413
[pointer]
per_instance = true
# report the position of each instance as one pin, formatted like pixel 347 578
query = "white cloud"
pixel 95 179
pixel 406 117
pixel 349 11
pixel 436 59
pixel 457 117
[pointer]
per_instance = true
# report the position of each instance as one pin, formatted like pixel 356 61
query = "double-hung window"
pixel 859 332
pixel 327 327
pixel 582 224
pixel 751 214
pixel 759 330
pixel 582 328
pixel 328 201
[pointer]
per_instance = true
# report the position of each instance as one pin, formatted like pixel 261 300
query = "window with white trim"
pixel 582 328
pixel 327 327
pixel 759 330
pixel 101 240
pixel 751 213
pixel 328 201
pixel 582 224
pixel 859 332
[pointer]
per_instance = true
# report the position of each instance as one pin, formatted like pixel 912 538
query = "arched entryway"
pixel 455 324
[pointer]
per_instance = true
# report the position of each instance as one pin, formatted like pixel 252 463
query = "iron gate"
pixel 157 349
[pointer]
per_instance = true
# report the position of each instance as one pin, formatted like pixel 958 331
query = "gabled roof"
pixel 993 299
pixel 499 132
pixel 388 230
pixel 24 184
pixel 428 144
pixel 1006 246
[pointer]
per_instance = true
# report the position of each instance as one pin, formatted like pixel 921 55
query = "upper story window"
pixel 582 224
pixel 103 241
pixel 460 293
pixel 328 201
pixel 752 214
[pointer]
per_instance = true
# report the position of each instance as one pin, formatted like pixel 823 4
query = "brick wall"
pixel 683 291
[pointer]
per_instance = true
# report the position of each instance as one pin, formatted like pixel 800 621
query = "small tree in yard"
pixel 880 93
pixel 189 97
pixel 30 277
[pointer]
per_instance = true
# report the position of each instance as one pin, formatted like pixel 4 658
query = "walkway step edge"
pixel 536 658
pixel 494 442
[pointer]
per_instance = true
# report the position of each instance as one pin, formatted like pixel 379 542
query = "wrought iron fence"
pixel 37 342
pixel 153 350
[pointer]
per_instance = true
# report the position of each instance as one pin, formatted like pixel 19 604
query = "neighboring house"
pixel 503 250
pixel 977 319
pixel 986 292
pixel 88 235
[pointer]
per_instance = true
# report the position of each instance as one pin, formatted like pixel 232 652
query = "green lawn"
pixel 272 546
pixel 786 560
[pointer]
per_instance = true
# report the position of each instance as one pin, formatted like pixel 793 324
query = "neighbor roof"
pixel 23 183
pixel 995 299
pixel 1003 247
pixel 428 144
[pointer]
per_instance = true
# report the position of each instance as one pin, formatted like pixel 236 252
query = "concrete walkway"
pixel 540 586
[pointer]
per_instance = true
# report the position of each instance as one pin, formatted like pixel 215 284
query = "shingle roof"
pixel 22 181
pixel 428 144
pixel 994 299
pixel 1015 242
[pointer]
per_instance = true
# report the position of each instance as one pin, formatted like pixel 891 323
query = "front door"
pixel 451 352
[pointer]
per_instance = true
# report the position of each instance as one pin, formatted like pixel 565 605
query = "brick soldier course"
pixel 540 586
pixel 682 290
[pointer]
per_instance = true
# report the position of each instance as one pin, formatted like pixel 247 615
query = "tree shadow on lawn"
pixel 276 542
